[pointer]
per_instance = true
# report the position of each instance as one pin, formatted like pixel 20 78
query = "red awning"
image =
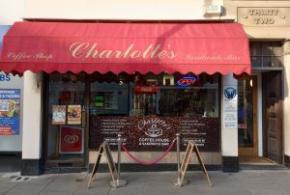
pixel 126 47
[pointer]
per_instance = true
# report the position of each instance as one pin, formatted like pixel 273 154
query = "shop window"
pixel 147 110
pixel 266 54
pixel 108 98
pixel 163 95
pixel 186 96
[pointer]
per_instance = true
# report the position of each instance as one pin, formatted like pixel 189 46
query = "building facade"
pixel 234 118
pixel 268 30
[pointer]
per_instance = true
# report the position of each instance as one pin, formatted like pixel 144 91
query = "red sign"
pixel 146 89
pixel 187 81
pixel 71 140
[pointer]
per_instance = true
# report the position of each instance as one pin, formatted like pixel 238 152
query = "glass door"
pixel 247 117
pixel 66 128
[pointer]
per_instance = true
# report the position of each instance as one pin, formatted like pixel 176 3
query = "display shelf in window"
pixel 106 100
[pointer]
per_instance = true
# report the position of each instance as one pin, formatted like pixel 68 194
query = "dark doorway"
pixel 272 115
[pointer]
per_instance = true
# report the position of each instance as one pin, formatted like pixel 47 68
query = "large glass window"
pixel 154 108
pixel 176 95
pixel 163 95
pixel 147 110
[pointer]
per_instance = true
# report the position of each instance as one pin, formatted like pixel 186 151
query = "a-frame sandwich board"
pixel 104 148
pixel 192 147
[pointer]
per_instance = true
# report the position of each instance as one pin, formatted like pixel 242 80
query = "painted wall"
pixel 32 116
pixel 117 10
pixel 11 11
pixel 260 31
pixel 286 102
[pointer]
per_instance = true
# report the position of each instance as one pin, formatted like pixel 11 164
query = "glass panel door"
pixel 66 121
pixel 247 128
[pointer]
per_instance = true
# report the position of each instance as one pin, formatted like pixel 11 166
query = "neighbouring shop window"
pixel 148 110
pixel 266 54
pixel 10 112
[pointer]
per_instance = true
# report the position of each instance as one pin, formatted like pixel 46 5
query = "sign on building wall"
pixel 264 16
pixel 9 111
pixel 230 101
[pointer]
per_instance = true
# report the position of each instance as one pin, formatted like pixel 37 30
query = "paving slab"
pixel 154 183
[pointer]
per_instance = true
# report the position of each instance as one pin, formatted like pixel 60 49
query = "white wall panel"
pixel 117 9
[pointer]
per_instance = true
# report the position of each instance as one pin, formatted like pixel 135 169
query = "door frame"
pixel 265 128
pixel 50 164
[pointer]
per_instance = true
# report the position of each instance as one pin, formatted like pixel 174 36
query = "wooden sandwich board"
pixel 191 147
pixel 104 148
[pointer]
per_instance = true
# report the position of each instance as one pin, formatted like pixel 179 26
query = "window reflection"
pixel 164 95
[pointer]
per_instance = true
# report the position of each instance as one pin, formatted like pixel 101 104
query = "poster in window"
pixel 74 113
pixel 58 114
pixel 9 111
pixel 71 140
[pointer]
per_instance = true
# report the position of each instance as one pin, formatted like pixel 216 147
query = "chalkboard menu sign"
pixel 154 133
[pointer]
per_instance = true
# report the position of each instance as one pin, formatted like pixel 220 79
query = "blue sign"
pixel 230 93
pixel 9 111
pixel 187 81
pixel 4 77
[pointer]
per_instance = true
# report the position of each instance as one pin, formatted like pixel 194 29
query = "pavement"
pixel 259 182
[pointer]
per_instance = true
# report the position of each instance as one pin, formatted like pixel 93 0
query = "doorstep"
pixel 269 167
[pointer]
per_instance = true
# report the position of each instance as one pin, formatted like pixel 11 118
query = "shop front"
pixel 144 81
pixel 10 117
pixel 147 110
